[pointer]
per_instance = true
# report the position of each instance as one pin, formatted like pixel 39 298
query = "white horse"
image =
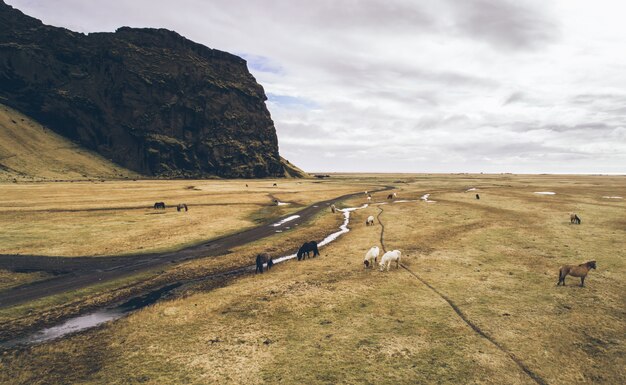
pixel 371 257
pixel 388 257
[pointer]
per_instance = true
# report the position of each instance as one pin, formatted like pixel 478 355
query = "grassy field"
pixel 116 217
pixel 328 320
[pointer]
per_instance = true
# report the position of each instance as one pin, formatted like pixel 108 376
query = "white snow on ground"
pixel 282 203
pixel 342 230
pixel 291 218
pixel 472 189
pixel 607 197
pixel 425 198
pixel 545 192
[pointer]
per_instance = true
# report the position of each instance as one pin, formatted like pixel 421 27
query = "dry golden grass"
pixel 29 151
pixel 116 217
pixel 327 320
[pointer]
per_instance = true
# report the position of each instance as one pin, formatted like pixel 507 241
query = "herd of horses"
pixel 264 259
pixel 579 271
pixel 303 252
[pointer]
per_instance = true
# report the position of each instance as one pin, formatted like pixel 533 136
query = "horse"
pixel 573 218
pixel 576 271
pixel 307 247
pixel 263 258
pixel 181 206
pixel 388 258
pixel 333 208
pixel 369 221
pixel 390 196
pixel 477 196
pixel 371 257
pixel 274 185
pixel 159 205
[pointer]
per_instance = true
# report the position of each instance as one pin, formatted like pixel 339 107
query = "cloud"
pixel 507 24
pixel 413 86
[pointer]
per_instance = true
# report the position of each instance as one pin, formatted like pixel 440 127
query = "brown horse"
pixel 181 206
pixel 573 218
pixel 159 205
pixel 261 259
pixel 576 271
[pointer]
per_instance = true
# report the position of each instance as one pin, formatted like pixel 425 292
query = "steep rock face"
pixel 148 99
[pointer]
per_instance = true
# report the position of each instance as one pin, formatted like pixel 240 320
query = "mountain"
pixel 150 100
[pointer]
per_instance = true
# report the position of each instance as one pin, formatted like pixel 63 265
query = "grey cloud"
pixel 514 97
pixel 506 24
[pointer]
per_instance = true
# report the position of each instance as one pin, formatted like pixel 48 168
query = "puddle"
pixel 91 320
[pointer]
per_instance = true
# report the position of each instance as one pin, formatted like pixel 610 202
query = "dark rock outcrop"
pixel 148 99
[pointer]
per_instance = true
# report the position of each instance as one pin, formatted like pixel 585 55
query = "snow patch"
pixel 545 193
pixel 288 219
pixel 342 230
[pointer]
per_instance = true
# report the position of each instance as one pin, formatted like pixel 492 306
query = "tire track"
pixel 534 376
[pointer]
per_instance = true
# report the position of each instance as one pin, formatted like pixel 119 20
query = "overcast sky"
pixel 413 85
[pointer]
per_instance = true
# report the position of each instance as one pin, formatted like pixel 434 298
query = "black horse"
pixel 307 247
pixel 181 206
pixel 159 205
pixel 262 259
pixel 477 196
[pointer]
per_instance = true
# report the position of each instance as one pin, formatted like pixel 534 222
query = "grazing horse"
pixel 573 218
pixel 369 221
pixel 182 206
pixel 159 205
pixel 307 247
pixel 333 208
pixel 390 196
pixel 576 271
pixel 274 185
pixel 477 196
pixel 262 259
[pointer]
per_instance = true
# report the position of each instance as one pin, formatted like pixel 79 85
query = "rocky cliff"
pixel 148 99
